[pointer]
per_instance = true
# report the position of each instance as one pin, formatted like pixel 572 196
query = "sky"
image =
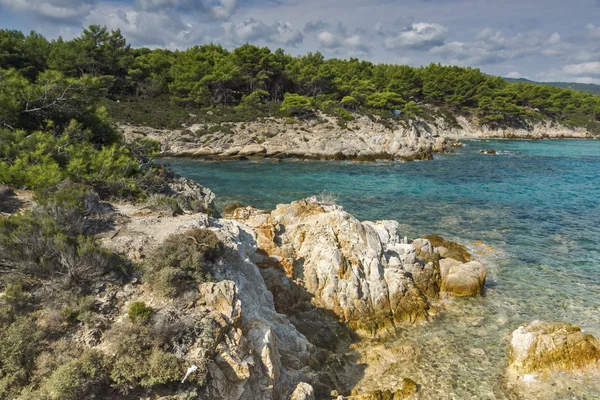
pixel 542 40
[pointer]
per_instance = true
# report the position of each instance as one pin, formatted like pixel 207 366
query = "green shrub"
pixel 80 309
pixel 14 294
pixel 162 203
pixel 163 368
pixel 139 311
pixel 295 104
pixel 182 259
pixel 83 378
pixel 138 360
pixel 20 344
pixel 290 121
pixel 33 245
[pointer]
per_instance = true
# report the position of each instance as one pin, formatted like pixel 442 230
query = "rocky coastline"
pixel 298 288
pixel 325 138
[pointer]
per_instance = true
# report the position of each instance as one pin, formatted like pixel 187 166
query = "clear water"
pixel 536 203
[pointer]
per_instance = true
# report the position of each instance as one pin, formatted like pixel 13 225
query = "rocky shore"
pixel 324 138
pixel 304 297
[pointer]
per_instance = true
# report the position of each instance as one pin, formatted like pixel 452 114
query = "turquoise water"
pixel 537 203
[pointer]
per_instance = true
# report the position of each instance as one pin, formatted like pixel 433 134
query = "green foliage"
pixel 385 100
pixel 20 343
pixel 182 259
pixel 294 104
pixel 412 109
pixel 163 368
pixel 139 360
pixel 34 245
pixel 82 377
pixel 350 103
pixel 167 89
pixel 139 311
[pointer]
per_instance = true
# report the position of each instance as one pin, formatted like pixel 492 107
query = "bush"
pixel 20 345
pixel 138 360
pixel 163 368
pixel 164 204
pixel 182 259
pixel 83 378
pixel 33 245
pixel 139 311
pixel 295 104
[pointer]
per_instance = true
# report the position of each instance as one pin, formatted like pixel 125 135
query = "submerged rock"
pixel 408 391
pixel 552 346
pixel 462 279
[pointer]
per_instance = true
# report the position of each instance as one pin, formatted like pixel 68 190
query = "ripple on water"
pixel 536 206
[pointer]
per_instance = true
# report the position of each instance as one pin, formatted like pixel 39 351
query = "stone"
pixel 303 391
pixel 462 280
pixel 552 346
pixel 362 271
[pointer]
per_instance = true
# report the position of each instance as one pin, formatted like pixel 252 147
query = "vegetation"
pixel 59 80
pixel 139 311
pixel 182 260
pixel 57 140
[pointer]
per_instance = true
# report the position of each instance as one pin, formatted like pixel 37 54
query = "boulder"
pixel 552 346
pixel 303 391
pixel 362 271
pixel 449 249
pixel 252 149
pixel 462 279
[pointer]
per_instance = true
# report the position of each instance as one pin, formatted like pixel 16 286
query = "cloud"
pixel 151 29
pixel 251 30
pixel 315 26
pixel 55 10
pixel 593 31
pixel 492 47
pixel 353 42
pixel 583 69
pixel 221 9
pixel 417 36
pixel 554 39
pixel 337 37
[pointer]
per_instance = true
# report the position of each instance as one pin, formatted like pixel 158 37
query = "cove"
pixel 535 204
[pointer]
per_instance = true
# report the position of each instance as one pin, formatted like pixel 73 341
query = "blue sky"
pixel 538 39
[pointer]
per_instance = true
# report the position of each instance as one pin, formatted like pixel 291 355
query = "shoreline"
pixel 325 138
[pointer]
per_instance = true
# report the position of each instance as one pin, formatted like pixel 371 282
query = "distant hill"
pixel 584 87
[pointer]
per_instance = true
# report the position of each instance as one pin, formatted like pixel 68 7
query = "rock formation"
pixel 462 280
pixel 363 139
pixel 362 271
pixel 552 346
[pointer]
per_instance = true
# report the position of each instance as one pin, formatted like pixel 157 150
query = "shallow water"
pixel 536 203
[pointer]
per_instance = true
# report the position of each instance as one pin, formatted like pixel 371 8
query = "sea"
pixel 530 213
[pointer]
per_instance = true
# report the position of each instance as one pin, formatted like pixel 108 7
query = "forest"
pixel 254 81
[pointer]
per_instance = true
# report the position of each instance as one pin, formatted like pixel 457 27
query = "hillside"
pixel 251 82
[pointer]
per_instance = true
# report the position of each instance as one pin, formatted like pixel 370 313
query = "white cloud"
pixel 151 29
pixel 593 31
pixel 583 69
pixel 220 9
pixel 514 75
pixel 554 39
pixel 59 10
pixel 419 35
pixel 491 47
pixel 338 38
pixel 251 30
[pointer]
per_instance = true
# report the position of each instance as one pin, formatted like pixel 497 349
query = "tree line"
pixel 212 76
